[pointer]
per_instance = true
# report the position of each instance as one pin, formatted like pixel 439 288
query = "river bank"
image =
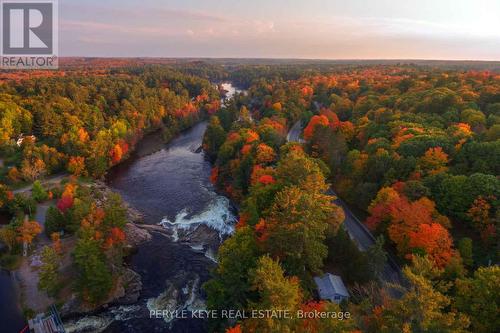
pixel 26 277
pixel 19 287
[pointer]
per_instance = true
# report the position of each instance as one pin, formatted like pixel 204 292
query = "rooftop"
pixel 330 285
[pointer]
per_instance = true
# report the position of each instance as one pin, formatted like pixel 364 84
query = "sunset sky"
pixel 326 29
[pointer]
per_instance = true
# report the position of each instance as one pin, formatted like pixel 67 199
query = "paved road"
pixel 52 180
pixel 364 239
pixel 295 132
pixel 354 227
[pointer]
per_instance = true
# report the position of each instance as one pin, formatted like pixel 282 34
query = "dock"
pixel 47 322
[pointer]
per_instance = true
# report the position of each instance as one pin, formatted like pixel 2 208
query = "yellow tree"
pixel 434 161
pixel 31 170
pixel 8 236
pixel 276 292
pixel 28 231
pixel 295 231
pixel 76 165
pixel 423 307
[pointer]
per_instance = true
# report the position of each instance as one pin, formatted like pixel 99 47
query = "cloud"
pixel 262 27
pixel 140 13
pixel 172 32
pixel 173 14
pixel 115 30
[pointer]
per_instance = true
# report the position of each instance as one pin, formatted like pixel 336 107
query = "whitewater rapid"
pixel 217 216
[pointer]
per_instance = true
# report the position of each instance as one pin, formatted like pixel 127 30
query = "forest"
pixel 413 149
pixel 417 151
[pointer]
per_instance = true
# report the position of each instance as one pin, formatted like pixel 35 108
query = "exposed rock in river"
pixel 182 292
pixel 129 289
pixel 133 215
pixel 136 235
pixel 200 235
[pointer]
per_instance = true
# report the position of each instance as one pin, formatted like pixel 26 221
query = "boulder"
pixel 135 235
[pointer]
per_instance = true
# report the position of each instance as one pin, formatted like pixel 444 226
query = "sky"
pixel 309 29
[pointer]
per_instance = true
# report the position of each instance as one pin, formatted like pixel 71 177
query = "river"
pixel 169 184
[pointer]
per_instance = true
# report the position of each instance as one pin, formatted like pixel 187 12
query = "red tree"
pixel 315 121
pixel 435 241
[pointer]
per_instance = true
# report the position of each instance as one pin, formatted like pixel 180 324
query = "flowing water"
pixel 170 185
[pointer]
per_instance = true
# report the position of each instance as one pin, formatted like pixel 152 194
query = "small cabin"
pixel 332 288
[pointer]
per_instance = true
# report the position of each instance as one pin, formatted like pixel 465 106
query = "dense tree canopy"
pixel 87 123
pixel 415 148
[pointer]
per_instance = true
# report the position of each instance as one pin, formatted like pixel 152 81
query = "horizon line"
pixel 278 58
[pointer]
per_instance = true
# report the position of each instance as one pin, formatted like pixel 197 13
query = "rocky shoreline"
pixel 182 291
pixel 128 286
pixel 80 317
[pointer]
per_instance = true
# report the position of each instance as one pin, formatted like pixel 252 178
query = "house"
pixel 330 287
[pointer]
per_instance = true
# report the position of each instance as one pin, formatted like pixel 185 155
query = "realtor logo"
pixel 29 34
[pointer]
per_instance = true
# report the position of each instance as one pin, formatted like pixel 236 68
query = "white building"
pixel 330 287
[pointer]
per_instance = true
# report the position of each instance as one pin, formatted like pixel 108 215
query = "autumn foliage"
pixel 235 329
pixel 433 240
pixel 28 231
pixel 315 121
pixel 434 161
pixel 265 154
pixel 67 198
pixel 76 165
pixel 413 226
pixel 116 154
